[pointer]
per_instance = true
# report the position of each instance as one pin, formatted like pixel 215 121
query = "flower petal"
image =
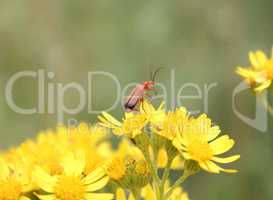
pixel 74 164
pixel 226 160
pixel 4 170
pixel 225 170
pixel 213 168
pixel 47 197
pixel 97 185
pixel 261 57
pixel 120 194
pixel 263 86
pixel 253 59
pixel 111 119
pixel 44 180
pixel 24 198
pixel 221 144
pixel 94 176
pixel 209 167
pixel 213 132
pixel 98 196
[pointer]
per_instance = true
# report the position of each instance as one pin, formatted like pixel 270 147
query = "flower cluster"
pixel 260 74
pixel 80 163
pixel 66 164
pixel 172 140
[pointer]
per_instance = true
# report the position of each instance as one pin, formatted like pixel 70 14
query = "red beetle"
pixel 139 92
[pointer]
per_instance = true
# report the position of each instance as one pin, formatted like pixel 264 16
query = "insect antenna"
pixel 155 73
pixel 150 73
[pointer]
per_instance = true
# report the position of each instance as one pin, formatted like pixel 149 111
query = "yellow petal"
pixel 47 197
pixel 209 167
pixel 222 169
pixel 24 198
pixel 4 170
pixel 131 197
pixel 177 163
pixel 213 132
pixel 253 59
pixel 94 176
pixel 97 185
pixel 243 72
pixel 187 156
pixel 118 131
pixel 226 160
pixel 120 194
pixel 98 196
pixel 213 168
pixel 111 119
pixel 146 108
pixel 231 171
pixel 261 57
pixel 162 158
pixel 73 164
pixel 44 180
pixel 263 86
pixel 149 193
pixel 105 123
pixel 221 145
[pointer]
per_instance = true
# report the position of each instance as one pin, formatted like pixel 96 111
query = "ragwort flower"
pixel 260 74
pixel 14 184
pixel 72 184
pixel 132 124
pixel 198 141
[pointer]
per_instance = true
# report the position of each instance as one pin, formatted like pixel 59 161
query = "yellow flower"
pixel 148 194
pixel 53 145
pixel 121 195
pixel 197 141
pixel 173 123
pixel 260 74
pixel 131 125
pixel 154 116
pixel 128 172
pixel 177 194
pixel 72 184
pixel 13 183
pixel 162 159
pixel 116 168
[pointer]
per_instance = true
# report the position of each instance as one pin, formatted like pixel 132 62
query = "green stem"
pixel 166 173
pixel 143 144
pixel 156 180
pixel 165 176
pixel 177 184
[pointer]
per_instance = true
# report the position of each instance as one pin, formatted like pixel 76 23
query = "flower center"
pixel 116 168
pixel 70 188
pixel 200 149
pixel 134 123
pixel 10 190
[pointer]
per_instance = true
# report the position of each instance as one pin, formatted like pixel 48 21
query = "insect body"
pixel 139 92
pixel 137 95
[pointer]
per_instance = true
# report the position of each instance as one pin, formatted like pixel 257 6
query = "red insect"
pixel 139 92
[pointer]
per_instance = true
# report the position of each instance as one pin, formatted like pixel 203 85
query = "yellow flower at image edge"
pixel 199 143
pixel 148 194
pixel 260 74
pixel 131 126
pixel 12 185
pixel 72 185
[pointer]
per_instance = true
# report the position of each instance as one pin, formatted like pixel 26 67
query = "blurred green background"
pixel 203 41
